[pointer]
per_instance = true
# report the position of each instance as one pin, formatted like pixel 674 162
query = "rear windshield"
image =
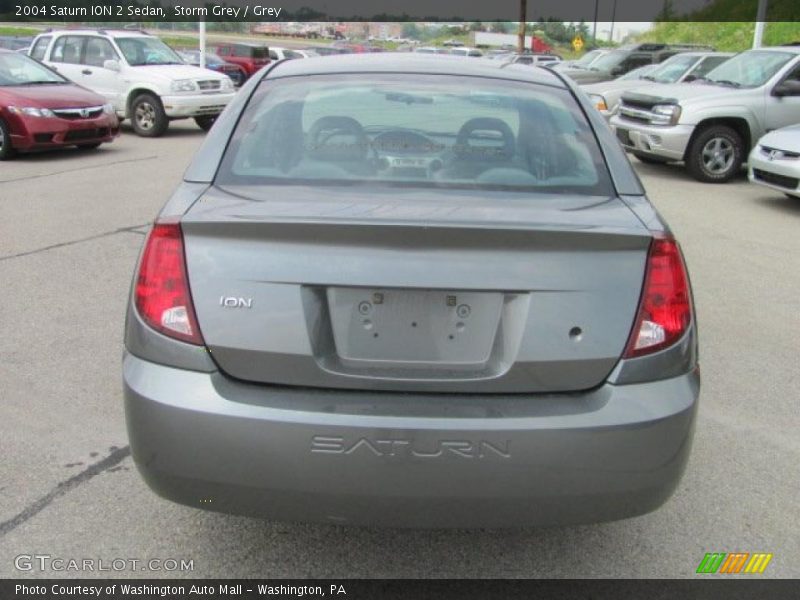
pixel 424 130
pixel 257 52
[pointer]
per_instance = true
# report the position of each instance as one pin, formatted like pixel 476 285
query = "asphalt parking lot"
pixel 71 225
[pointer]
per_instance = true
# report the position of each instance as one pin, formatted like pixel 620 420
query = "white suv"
pixel 144 79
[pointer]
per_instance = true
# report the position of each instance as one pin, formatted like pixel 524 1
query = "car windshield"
pixel 672 69
pixel 588 58
pixel 610 60
pixel 425 131
pixel 17 69
pixel 139 51
pixel 640 73
pixel 193 57
pixel 749 69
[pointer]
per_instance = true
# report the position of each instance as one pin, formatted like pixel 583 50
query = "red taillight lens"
pixel 162 287
pixel 665 310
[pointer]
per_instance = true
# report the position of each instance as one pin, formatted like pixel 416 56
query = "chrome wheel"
pixel 145 116
pixel 718 155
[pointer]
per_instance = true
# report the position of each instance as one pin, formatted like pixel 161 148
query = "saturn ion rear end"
pixel 411 291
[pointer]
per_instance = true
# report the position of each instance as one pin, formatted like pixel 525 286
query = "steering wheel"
pixel 326 128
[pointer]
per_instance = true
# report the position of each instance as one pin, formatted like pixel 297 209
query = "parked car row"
pixel 738 108
pixel 683 67
pixel 711 125
pixel 508 56
pixel 617 62
pixel 535 59
pixel 129 74
pixel 714 122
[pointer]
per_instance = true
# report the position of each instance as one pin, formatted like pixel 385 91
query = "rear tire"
pixel 650 160
pixel 148 117
pixel 205 123
pixel 715 155
pixel 6 150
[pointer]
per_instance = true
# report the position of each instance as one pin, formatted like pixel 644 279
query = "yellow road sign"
pixel 577 43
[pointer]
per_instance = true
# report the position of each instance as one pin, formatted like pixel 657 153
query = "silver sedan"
pixel 411 290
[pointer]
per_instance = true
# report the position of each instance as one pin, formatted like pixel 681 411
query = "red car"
pixel 251 57
pixel 41 109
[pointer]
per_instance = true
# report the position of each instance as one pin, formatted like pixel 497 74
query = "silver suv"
pixel 712 123
pixel 684 67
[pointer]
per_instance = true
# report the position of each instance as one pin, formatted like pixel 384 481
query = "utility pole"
pixel 761 16
pixel 613 16
pixel 202 25
pixel 594 29
pixel 523 9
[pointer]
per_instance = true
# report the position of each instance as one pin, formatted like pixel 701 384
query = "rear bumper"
pixel 431 460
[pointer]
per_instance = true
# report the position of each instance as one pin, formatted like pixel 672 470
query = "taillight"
pixel 665 309
pixel 162 291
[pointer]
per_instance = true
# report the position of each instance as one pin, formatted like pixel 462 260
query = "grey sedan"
pixel 411 290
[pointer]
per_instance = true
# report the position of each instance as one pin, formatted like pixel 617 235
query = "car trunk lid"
pixel 414 290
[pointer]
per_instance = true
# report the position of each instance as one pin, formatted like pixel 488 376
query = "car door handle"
pixel 87 71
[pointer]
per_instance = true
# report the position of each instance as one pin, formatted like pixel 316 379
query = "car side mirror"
pixel 112 65
pixel 617 71
pixel 689 78
pixel 789 87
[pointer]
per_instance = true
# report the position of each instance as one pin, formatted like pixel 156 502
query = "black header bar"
pixel 700 588
pixel 138 11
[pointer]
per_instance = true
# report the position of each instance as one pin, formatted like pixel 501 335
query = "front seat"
pixel 471 159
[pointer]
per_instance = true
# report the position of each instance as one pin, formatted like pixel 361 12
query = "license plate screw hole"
pixel 576 334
